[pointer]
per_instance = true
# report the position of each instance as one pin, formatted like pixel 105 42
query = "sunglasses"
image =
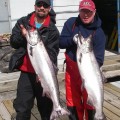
pixel 84 11
pixel 40 4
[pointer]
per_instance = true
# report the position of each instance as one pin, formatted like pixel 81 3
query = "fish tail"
pixel 100 117
pixel 57 113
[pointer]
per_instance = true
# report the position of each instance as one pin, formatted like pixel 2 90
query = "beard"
pixel 41 16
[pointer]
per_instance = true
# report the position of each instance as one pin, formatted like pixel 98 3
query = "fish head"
pixel 32 37
pixel 84 44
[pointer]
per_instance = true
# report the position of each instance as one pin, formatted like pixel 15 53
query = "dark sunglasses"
pixel 40 4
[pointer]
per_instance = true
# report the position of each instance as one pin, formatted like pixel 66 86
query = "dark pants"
pixel 28 89
pixel 74 114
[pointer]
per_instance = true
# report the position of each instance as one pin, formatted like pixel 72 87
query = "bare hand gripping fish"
pixel 45 71
pixel 92 77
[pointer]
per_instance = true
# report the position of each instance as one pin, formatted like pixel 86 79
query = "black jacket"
pixel 49 36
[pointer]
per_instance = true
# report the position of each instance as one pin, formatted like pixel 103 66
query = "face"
pixel 42 9
pixel 87 16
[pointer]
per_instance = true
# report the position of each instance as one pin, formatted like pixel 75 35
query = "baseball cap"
pixel 87 4
pixel 46 1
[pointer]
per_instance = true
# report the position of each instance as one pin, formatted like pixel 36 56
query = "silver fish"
pixel 92 78
pixel 45 71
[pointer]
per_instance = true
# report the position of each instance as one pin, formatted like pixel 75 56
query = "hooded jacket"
pixel 49 34
pixel 73 26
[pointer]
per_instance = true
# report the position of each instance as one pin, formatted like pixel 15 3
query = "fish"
pixel 45 71
pixel 92 77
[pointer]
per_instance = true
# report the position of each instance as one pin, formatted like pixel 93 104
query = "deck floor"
pixel 111 105
pixel 8 93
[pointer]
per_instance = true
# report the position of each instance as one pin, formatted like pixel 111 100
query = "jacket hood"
pixel 52 16
pixel 96 23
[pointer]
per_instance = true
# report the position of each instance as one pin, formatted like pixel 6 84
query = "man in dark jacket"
pixel 28 88
pixel 86 23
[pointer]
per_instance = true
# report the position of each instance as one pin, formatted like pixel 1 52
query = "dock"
pixel 8 86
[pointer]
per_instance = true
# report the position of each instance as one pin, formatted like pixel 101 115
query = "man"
pixel 86 23
pixel 28 88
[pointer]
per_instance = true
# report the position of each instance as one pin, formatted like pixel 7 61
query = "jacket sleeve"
pixel 66 37
pixel 16 39
pixel 53 45
pixel 99 46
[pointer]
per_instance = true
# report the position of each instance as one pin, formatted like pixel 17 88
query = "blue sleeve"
pixel 66 37
pixel 99 46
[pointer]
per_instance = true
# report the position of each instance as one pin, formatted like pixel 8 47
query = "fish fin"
pixel 104 80
pixel 31 50
pixel 82 85
pixel 57 113
pixel 46 93
pixel 38 78
pixel 80 57
pixel 100 117
pixel 90 101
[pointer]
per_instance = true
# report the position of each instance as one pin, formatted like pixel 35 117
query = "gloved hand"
pixel 75 38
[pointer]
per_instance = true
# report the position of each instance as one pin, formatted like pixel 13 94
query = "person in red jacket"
pixel 86 23
pixel 28 88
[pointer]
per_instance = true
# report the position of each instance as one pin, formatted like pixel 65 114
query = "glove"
pixel 75 38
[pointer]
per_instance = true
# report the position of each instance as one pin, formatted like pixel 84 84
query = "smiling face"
pixel 87 16
pixel 42 9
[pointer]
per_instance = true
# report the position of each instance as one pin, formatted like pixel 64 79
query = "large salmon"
pixel 45 71
pixel 91 75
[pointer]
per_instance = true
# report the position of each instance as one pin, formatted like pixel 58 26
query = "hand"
pixel 75 38
pixel 24 31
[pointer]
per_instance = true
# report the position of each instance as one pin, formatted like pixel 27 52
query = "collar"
pixel 45 24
